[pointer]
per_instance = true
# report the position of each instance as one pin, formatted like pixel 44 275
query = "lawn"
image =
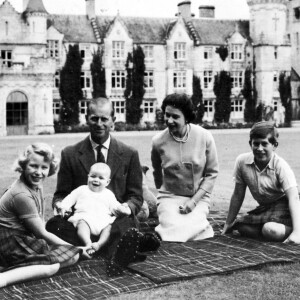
pixel 271 282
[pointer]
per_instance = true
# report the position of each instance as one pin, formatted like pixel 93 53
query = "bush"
pixel 60 128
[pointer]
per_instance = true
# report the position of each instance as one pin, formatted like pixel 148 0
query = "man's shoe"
pixel 149 242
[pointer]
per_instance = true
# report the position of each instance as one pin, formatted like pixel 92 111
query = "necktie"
pixel 100 156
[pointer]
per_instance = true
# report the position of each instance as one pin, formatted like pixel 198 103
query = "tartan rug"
pixel 172 262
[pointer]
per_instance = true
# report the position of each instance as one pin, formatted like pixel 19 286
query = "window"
pixel 237 105
pixel 237 79
pixel 83 107
pixel 208 52
pixel 118 79
pixel 236 52
pixel 118 49
pixel 85 80
pixel 275 52
pixel 148 79
pixel 179 79
pixel 148 52
pixel 53 48
pixel 16 113
pixel 297 13
pixel 6 28
pixel 275 105
pixel 85 51
pixel 119 107
pixel 208 106
pixel 179 51
pixel 148 107
pixel 56 108
pixel 6 57
pixel 207 78
pixel 56 79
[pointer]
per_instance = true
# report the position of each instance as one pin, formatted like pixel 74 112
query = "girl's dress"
pixel 181 168
pixel 18 246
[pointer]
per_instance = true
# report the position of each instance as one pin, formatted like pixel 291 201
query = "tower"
pixel 37 20
pixel 272 53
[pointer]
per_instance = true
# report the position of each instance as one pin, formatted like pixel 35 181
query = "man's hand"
pixel 60 211
pixel 122 210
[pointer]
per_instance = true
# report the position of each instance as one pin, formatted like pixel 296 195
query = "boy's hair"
pixel 42 149
pixel 262 129
pixel 102 166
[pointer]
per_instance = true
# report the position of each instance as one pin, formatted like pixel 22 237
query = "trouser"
pixel 67 232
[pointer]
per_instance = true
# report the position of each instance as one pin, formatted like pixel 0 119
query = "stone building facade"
pixel 34 44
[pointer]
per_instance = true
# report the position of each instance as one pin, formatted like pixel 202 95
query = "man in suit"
pixel 126 183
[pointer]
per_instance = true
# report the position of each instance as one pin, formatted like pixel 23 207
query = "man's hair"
pixel 263 129
pixel 183 103
pixel 102 101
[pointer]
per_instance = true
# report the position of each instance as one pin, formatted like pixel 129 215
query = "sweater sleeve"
pixel 156 164
pixel 212 165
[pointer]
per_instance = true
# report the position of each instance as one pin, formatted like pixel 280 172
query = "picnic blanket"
pixel 172 262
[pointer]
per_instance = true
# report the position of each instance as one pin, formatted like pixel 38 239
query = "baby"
pixel 95 207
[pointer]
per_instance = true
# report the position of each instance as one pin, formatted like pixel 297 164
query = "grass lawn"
pixel 271 282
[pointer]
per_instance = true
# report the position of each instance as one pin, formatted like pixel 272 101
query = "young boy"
pixel 95 207
pixel 272 184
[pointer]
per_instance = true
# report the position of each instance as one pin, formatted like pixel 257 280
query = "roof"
pixel 143 30
pixel 34 6
pixel 76 28
pixel 215 32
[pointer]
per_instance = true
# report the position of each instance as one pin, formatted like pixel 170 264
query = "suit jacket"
pixel 126 173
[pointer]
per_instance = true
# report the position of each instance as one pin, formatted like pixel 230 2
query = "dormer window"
pixel 236 52
pixel 53 48
pixel 118 49
pixel 6 58
pixel 148 52
pixel 180 51
pixel 85 51
pixel 208 52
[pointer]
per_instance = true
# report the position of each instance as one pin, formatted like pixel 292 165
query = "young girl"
pixel 272 184
pixel 27 250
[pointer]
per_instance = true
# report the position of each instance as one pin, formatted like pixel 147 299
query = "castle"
pixel 34 45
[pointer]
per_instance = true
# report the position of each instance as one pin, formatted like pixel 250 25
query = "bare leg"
pixel 253 231
pixel 27 273
pixel 104 236
pixel 84 233
pixel 276 232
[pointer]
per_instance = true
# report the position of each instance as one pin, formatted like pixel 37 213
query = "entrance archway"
pixel 17 114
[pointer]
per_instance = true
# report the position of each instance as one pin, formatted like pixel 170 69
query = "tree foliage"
pixel 249 95
pixel 98 74
pixel 134 92
pixel 70 87
pixel 222 90
pixel 197 99
pixel 285 92
pixel 223 52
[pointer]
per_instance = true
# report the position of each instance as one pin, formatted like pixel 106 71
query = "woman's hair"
pixel 262 129
pixel 42 149
pixel 181 102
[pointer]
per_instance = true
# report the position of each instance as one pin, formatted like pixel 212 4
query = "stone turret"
pixel 36 15
pixel 268 19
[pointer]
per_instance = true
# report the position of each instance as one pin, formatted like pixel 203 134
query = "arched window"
pixel 6 28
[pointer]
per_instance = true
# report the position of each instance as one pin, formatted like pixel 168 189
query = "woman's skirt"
pixel 18 249
pixel 176 227
pixel 277 212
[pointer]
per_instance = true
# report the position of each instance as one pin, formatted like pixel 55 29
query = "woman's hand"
pixel 188 207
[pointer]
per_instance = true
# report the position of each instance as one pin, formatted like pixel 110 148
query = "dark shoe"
pixel 149 242
pixel 126 252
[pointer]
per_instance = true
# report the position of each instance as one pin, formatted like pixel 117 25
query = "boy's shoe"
pixel 149 242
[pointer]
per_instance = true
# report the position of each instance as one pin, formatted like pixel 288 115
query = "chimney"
pixel 90 9
pixel 207 11
pixel 25 4
pixel 184 9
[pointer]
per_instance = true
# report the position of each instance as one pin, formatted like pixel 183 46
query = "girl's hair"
pixel 42 149
pixel 262 129
pixel 181 102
